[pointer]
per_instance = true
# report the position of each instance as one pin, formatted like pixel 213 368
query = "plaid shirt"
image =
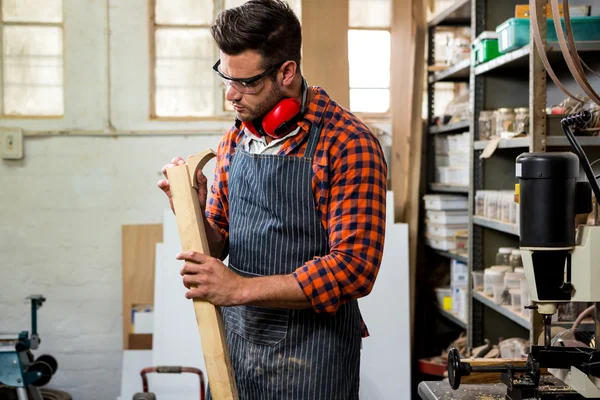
pixel 349 186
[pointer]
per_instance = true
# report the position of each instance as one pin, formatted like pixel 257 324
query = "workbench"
pixel 441 390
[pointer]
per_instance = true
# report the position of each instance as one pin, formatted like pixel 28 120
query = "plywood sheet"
pixel 138 253
pixel 176 337
pixel 386 356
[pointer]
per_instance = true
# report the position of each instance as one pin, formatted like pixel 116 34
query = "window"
pixel 183 84
pixel 369 47
pixel 32 58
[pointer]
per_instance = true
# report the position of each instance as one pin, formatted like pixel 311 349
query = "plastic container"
pixel 512 280
pixel 490 278
pixel 440 243
pixel 462 175
pixel 501 268
pixel 501 295
pixel 584 28
pixel 515 259
pixel 480 203
pixel 441 144
pixel 515 298
pixel 503 256
pixel 462 241
pixel 459 302
pixel 522 120
pixel 442 160
pixel 445 202
pixel 505 121
pixel 485 48
pixel 447 217
pixel 444 298
pixel 443 230
pixel 477 277
pixel 487 127
pixel 457 159
pixel 514 32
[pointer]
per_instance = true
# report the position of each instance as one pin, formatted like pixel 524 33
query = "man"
pixel 298 205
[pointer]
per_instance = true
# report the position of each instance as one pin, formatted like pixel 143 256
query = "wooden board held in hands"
pixel 188 214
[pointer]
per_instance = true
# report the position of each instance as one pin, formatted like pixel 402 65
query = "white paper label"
pixel 518 168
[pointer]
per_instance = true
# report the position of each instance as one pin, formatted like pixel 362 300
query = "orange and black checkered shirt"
pixel 349 186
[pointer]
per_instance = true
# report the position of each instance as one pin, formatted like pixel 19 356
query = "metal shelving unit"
pixel 504 310
pixel 457 14
pixel 453 317
pixel 454 127
pixel 441 187
pixel 452 256
pixel 504 143
pixel 457 73
pixel 499 226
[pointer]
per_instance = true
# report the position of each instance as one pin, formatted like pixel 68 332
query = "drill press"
pixel 561 265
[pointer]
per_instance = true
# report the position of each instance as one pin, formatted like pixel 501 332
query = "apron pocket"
pixel 259 325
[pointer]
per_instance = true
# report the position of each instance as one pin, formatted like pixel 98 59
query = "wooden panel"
pixel 325 47
pixel 140 341
pixel 138 253
pixel 407 75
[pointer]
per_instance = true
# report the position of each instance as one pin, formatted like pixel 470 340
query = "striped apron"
pixel 282 354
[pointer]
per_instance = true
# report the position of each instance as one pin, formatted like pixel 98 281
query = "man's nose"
pixel 232 95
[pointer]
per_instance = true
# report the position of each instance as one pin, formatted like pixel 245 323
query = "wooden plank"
pixel 138 258
pixel 193 237
pixel 325 47
pixel 408 71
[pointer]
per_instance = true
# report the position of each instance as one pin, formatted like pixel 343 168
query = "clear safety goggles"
pixel 250 85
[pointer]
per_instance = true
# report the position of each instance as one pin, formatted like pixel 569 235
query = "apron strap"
pixel 313 139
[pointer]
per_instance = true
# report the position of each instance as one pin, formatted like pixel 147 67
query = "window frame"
pixel 219 111
pixel 372 116
pixel 60 25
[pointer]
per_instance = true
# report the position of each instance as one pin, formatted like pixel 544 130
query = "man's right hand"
pixel 163 184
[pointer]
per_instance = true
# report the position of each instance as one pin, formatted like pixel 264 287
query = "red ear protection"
pixel 282 119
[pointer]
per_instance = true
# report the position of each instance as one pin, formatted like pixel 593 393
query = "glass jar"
pixel 503 256
pixel 505 121
pixel 491 205
pixel 480 203
pixel 505 206
pixel 522 120
pixel 515 259
pixel 486 125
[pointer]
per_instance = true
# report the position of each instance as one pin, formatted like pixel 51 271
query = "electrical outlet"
pixel 11 146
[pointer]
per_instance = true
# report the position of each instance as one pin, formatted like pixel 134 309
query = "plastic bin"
pixel 492 278
pixel 485 48
pixel 514 32
pixel 444 298
pixel 440 243
pixel 445 202
pixel 443 229
pixel 447 217
pixel 477 280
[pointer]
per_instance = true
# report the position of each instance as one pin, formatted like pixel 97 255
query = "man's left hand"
pixel 214 282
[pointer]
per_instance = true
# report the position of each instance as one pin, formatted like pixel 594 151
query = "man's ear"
pixel 288 70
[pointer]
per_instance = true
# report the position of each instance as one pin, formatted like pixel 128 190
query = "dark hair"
pixel 269 27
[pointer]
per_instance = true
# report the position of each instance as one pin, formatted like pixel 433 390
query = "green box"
pixel 484 48
pixel 514 32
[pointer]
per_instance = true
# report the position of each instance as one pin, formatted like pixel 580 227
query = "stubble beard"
pixel 275 95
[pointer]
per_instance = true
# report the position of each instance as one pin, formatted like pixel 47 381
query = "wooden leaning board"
pixel 182 180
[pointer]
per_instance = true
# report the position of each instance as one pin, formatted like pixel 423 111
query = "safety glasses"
pixel 250 85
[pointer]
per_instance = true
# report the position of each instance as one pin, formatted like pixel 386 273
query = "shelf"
pixel 458 13
pixel 504 143
pixel 458 72
pixel 496 225
pixel 455 127
pixel 452 317
pixel 504 310
pixel 519 59
pixel 451 255
pixel 559 141
pixel 441 187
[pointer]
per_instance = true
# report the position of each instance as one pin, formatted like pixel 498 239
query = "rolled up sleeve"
pixel 355 225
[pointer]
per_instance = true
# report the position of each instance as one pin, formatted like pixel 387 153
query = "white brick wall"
pixel 61 213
